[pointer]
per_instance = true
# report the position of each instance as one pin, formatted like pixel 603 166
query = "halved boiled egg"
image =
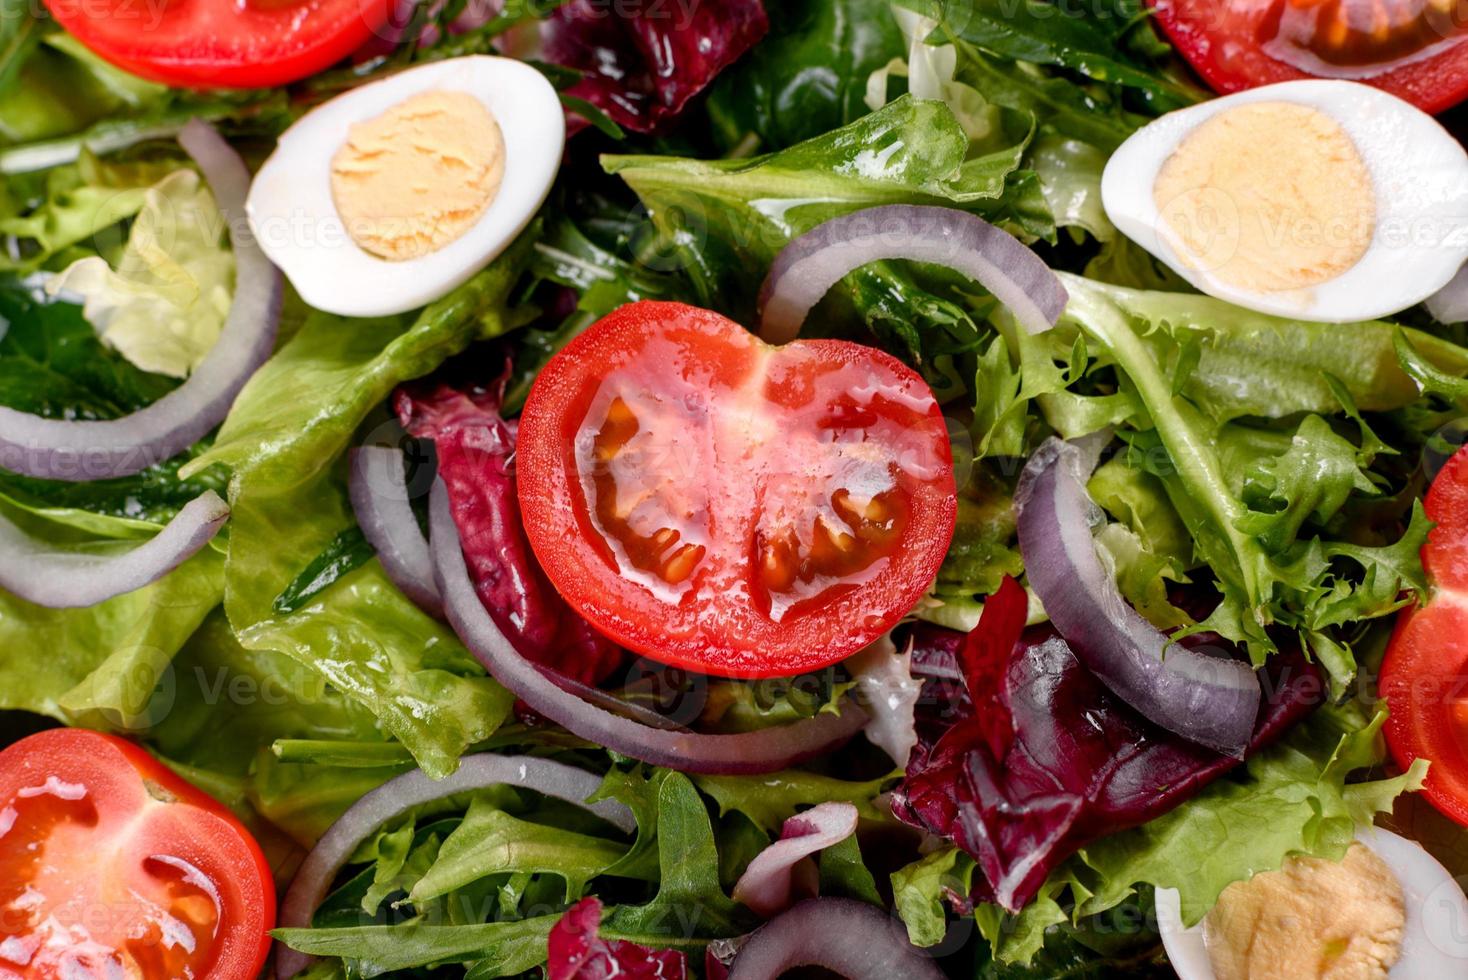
pixel 1388 910
pixel 1317 200
pixel 391 195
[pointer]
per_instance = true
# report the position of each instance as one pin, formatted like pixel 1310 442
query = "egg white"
pixel 1418 171
pixel 1434 944
pixel 294 217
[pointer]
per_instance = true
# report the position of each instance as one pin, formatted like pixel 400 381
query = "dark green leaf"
pixel 347 551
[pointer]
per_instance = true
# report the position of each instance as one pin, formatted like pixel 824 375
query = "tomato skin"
pixel 1424 677
pixel 222 43
pixel 140 817
pixel 749 439
pixel 1224 42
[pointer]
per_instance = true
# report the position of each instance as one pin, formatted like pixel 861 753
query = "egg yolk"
pixel 420 175
pixel 1310 920
pixel 1268 197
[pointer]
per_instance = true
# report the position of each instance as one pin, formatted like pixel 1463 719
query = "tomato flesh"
pixel 735 508
pixel 1424 678
pixel 222 43
pixel 1414 49
pixel 111 866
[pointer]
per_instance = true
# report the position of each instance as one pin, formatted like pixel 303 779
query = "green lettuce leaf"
pixel 106 666
pixel 163 303
pixel 920 891
pixel 722 221
pixel 771 800
pixel 284 444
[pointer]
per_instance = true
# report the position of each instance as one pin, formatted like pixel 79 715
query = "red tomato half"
pixel 1424 678
pixel 222 43
pixel 1411 48
pixel 111 865
pixel 735 508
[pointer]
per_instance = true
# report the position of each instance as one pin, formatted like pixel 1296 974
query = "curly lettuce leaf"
pixel 1237 429
pixel 75 209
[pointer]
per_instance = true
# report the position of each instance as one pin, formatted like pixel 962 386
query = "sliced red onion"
pixel 1210 700
pixel 851 938
pixel 78 451
pixel 768 750
pixel 379 491
pixel 767 886
pixel 1450 304
pixel 41 574
pixel 807 268
pixel 396 797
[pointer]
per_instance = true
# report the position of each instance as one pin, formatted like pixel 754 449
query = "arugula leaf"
pixel 490 841
pixel 690 901
pixel 346 552
pixel 498 949
pixel 844 873
pixel 1091 42
pixel 52 364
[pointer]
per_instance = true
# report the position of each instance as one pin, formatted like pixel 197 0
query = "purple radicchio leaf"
pixel 1031 757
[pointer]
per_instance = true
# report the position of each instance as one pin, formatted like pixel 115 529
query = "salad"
pixel 661 489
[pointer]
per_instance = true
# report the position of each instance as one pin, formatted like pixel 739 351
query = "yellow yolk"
pixel 1268 197
pixel 420 175
pixel 1310 920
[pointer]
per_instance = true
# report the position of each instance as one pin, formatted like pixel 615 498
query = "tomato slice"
pixel 1414 49
pixel 112 866
pixel 1424 678
pixel 723 505
pixel 222 43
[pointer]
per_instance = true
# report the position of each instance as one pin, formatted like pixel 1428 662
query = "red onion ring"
pixel 396 797
pixel 856 940
pixel 78 451
pixel 1209 700
pixel 42 575
pixel 807 268
pixel 768 883
pixel 379 490
pixel 768 750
